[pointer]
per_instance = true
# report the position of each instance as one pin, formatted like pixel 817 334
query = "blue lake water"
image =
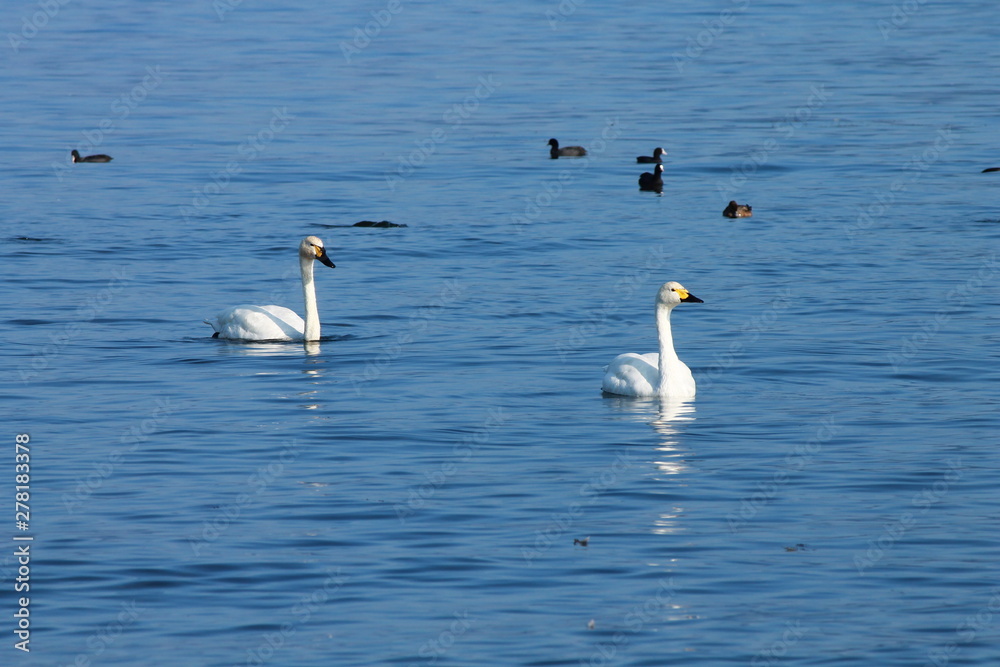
pixel 409 490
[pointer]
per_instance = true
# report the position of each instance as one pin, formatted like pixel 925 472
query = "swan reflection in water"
pixel 270 349
pixel 669 418
pixel 313 368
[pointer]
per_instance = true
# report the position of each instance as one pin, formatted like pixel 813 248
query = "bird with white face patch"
pixel 258 323
pixel 655 374
pixel 652 182
pixel 657 157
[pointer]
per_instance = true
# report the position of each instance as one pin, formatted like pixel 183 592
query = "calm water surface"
pixel 408 490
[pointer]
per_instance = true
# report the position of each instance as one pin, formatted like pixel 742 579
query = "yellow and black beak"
pixel 323 257
pixel 688 297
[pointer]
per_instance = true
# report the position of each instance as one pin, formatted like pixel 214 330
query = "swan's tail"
pixel 215 327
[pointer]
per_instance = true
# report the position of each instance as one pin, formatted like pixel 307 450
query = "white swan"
pixel 278 322
pixel 655 374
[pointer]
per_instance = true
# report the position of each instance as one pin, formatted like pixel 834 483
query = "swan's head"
pixel 673 293
pixel 312 248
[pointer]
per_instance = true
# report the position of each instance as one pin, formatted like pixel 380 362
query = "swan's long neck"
pixel 668 356
pixel 309 296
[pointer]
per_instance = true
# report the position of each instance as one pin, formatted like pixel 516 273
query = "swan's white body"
pixel 655 373
pixel 278 322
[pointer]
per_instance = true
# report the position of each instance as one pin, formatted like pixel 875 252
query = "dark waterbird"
pixel 654 181
pixel 989 169
pixel 657 154
pixel 383 224
pixel 90 158
pixel 569 151
pixel 735 210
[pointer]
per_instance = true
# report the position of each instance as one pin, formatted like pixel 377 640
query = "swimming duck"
pixel 652 182
pixel 657 153
pixel 569 151
pixel 75 154
pixel 735 210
